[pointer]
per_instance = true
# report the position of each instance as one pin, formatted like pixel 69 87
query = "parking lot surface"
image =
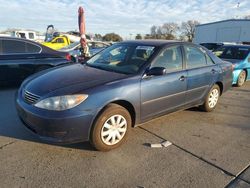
pixel 208 150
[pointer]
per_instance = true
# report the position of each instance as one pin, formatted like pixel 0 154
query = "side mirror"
pixel 156 71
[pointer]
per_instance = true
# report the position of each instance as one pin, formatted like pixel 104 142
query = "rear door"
pixel 163 93
pixel 201 73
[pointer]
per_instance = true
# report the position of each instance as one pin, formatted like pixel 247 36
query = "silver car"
pixel 94 47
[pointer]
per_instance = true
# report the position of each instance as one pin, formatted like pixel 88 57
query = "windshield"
pixel 232 52
pixel 122 58
pixel 72 45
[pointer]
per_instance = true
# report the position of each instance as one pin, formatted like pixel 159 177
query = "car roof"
pixel 237 45
pixel 17 38
pixel 152 42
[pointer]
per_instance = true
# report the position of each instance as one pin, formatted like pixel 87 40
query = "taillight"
pixel 68 57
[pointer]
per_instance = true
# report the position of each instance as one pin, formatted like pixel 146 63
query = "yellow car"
pixel 58 42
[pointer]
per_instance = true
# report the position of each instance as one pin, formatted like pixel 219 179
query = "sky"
pixel 124 17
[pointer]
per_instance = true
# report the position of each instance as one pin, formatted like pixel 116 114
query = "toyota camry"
pixel 123 86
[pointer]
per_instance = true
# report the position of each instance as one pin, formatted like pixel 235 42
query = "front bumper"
pixel 68 126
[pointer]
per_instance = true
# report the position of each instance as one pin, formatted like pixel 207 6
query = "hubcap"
pixel 242 78
pixel 213 98
pixel 113 130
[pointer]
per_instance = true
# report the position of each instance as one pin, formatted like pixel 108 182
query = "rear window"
pixel 232 52
pixel 18 47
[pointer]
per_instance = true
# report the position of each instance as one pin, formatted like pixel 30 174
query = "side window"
pixel 31 36
pixel 18 47
pixel 59 40
pixel 209 60
pixel 13 47
pixel 170 58
pixel 30 48
pixel 195 58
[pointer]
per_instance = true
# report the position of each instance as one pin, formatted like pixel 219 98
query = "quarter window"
pixel 170 58
pixel 30 48
pixel 195 58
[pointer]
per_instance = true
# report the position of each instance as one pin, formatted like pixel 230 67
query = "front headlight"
pixel 60 103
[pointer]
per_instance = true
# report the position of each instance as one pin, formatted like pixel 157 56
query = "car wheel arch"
pixel 129 107
pixel 246 73
pixel 220 84
pixel 123 103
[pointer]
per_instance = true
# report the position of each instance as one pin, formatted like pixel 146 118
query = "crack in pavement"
pixel 5 145
pixel 194 155
pixel 237 177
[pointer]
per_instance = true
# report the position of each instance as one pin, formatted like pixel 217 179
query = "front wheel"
pixel 211 99
pixel 241 79
pixel 111 128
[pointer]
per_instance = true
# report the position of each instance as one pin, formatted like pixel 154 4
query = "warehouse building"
pixel 233 30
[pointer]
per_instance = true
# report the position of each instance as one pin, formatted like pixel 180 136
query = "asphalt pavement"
pixel 208 150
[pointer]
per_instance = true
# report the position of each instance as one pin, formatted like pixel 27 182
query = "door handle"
pixel 213 71
pixel 182 78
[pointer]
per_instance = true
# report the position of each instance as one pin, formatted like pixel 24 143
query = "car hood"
pixel 69 80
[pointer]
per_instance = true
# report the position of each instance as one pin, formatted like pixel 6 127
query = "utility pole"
pixel 237 12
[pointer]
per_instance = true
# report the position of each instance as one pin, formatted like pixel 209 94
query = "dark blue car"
pixel 19 58
pixel 122 86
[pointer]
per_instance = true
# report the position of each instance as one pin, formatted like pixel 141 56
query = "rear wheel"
pixel 211 99
pixel 241 79
pixel 111 128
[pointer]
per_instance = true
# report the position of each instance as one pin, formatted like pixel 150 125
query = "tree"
pixel 148 36
pixel 188 29
pixel 98 37
pixel 247 17
pixel 153 30
pixel 112 37
pixel 138 37
pixel 170 28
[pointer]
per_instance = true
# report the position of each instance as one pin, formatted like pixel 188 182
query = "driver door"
pixel 160 94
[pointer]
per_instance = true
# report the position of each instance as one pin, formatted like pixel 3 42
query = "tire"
pixel 241 79
pixel 114 122
pixel 212 99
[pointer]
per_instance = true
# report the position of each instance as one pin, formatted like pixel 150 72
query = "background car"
pixel 124 85
pixel 94 47
pixel 239 55
pixel 20 58
pixel 212 46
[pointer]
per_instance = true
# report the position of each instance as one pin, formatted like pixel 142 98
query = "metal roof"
pixel 230 20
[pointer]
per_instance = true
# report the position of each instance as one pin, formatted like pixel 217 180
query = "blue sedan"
pixel 239 55
pixel 125 85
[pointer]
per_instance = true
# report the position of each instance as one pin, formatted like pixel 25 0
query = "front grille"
pixel 30 97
